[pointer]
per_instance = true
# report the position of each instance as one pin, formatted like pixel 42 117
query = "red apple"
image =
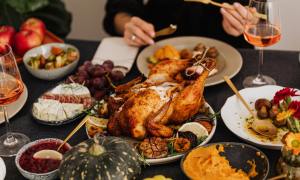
pixel 25 40
pixel 6 34
pixel 35 25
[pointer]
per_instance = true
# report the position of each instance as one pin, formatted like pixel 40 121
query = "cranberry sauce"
pixel 30 164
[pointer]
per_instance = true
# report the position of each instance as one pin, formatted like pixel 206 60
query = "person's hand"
pixel 138 32
pixel 234 19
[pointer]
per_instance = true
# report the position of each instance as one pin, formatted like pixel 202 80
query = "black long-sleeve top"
pixel 192 19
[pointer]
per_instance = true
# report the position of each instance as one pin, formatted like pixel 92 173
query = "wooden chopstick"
pixel 74 131
pixel 234 89
pixel 259 15
pixel 281 176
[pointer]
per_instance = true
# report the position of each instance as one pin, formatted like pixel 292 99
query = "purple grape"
pixel 109 63
pixel 83 73
pixel 87 63
pixel 107 68
pixel 99 71
pixel 98 65
pixel 90 70
pixel 98 82
pixel 82 68
pixel 80 79
pixel 87 83
pixel 116 75
pixel 92 90
pixel 99 95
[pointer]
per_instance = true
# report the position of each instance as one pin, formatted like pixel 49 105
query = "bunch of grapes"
pixel 98 78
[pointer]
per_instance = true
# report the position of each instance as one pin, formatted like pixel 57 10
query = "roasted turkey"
pixel 164 98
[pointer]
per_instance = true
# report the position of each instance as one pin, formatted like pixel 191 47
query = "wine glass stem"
pixel 259 77
pixel 10 139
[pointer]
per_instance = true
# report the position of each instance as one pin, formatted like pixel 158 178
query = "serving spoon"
pixel 55 154
pixel 258 15
pixel 263 127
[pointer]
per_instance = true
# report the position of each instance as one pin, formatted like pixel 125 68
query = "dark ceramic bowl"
pixel 238 154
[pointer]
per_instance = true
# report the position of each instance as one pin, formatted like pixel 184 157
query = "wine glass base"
pixel 11 150
pixel 255 81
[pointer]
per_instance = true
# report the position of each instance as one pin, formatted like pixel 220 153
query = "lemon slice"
pixel 195 128
pixel 48 154
pixel 95 121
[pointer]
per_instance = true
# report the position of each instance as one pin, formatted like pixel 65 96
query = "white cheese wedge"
pixel 72 110
pixel 52 113
pixel 37 109
pixel 61 115
pixel 49 110
pixel 71 89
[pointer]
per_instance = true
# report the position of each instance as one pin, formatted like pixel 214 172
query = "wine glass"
pixel 11 87
pixel 262 29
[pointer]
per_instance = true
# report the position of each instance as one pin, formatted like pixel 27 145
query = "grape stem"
pixel 110 81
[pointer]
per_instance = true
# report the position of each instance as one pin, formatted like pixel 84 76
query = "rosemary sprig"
pixel 216 115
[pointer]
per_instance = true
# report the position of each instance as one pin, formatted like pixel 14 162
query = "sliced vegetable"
pixel 56 50
pixel 57 59
pixel 152 60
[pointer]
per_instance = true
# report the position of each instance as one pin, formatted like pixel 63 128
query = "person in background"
pixel 137 20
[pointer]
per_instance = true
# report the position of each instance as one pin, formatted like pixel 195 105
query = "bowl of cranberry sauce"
pixel 40 168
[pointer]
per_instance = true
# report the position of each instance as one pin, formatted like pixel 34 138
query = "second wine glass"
pixel 262 32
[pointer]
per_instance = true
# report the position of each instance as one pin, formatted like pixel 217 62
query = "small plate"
pixel 229 61
pixel 61 122
pixel 15 107
pixel 238 154
pixel 234 114
pixel 169 159
pixel 58 123
pixel 2 169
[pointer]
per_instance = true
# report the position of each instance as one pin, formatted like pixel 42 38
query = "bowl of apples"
pixel 51 61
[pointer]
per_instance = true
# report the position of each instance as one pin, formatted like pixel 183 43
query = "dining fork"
pixel 227 6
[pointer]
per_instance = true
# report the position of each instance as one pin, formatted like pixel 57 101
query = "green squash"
pixel 101 158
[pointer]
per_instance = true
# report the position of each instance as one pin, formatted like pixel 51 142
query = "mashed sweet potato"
pixel 206 163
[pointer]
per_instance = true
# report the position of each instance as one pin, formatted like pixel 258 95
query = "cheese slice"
pixel 71 89
pixel 72 109
pixel 37 109
pixel 49 110
pixel 61 115
pixel 52 113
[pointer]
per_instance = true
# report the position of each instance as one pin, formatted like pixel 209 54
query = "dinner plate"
pixel 229 61
pixel 2 169
pixel 169 159
pixel 15 107
pixel 234 114
pixel 238 155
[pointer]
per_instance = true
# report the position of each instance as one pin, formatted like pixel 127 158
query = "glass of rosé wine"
pixel 11 87
pixel 262 29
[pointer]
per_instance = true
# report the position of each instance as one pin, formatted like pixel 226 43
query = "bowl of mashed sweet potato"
pixel 226 160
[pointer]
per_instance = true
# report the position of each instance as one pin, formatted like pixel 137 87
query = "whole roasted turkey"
pixel 146 108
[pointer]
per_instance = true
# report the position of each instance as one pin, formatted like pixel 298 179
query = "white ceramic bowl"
pixel 53 73
pixel 37 176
